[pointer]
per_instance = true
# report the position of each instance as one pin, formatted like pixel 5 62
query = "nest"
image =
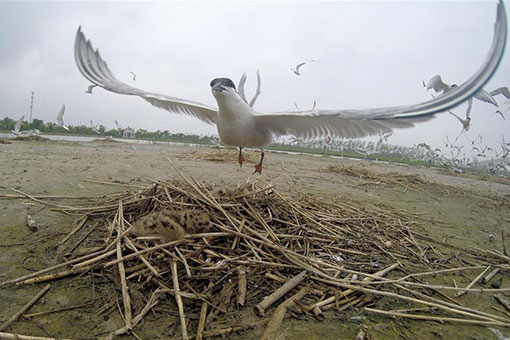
pixel 322 257
pixel 32 138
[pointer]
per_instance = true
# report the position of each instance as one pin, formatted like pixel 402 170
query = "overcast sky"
pixel 370 54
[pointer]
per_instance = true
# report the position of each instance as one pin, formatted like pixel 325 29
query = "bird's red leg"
pixel 241 157
pixel 258 167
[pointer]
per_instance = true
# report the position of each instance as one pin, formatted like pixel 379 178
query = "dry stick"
pixel 437 318
pixel 284 289
pixel 24 337
pixel 115 184
pixel 151 303
pixel 49 269
pixel 348 292
pixel 503 241
pixel 70 250
pixel 126 299
pixel 222 331
pixel 178 299
pixel 201 322
pixel 241 286
pixel 81 223
pixel 144 260
pixel 435 272
pixel 501 299
pixel 40 201
pixel 489 276
pixel 488 316
pixel 184 262
pixel 457 309
pixel 273 326
pixel 29 316
pixel 166 245
pixel 54 276
pixel 24 308
pixel 473 282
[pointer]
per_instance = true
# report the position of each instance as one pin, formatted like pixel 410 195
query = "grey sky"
pixel 371 54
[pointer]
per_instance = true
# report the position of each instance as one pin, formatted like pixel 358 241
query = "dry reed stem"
pixel 274 323
pixel 25 307
pixel 281 291
pixel 472 283
pixel 438 318
pixel 126 299
pixel 178 299
pixel 201 322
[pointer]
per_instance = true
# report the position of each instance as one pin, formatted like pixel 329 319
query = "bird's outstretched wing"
pixel 360 123
pixel 485 97
pixel 501 90
pixel 95 69
pixel 437 84
pixel 17 126
pixel 60 114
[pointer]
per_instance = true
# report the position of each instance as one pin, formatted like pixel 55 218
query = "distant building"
pixel 129 133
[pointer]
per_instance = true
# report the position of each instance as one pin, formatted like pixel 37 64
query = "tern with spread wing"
pixel 241 126
pixel 296 70
pixel 60 117
pixel 17 126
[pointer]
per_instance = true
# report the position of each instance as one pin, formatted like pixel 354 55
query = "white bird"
pixel 60 117
pixel 296 70
pixel 134 75
pixel 94 127
pixel 119 127
pixel 17 126
pixel 501 114
pixel 465 122
pixel 240 89
pixel 239 125
pixel 89 89
pixel 382 138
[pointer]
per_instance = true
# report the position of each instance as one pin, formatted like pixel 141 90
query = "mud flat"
pixel 462 211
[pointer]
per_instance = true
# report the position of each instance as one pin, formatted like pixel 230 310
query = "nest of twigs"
pixel 321 257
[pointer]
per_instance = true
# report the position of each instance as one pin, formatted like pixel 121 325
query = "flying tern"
pixel 60 117
pixel 239 125
pixel 17 126
pixel 465 122
pixel 134 75
pixel 90 88
pixel 240 89
pixel 501 91
pixel 296 70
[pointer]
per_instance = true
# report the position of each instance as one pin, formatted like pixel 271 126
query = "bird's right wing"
pixel 365 122
pixel 61 113
pixel 437 84
pixel 95 69
pixel 501 90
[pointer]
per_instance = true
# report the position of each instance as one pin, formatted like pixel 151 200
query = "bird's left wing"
pixel 361 123
pixel 95 69
pixel 61 112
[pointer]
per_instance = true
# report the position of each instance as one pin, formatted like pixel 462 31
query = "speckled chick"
pixel 170 224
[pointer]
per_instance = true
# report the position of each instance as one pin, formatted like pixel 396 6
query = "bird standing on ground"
pixel 239 125
pixel 296 70
pixel 17 126
pixel 60 117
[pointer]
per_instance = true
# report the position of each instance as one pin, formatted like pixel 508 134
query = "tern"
pixel 17 126
pixel 465 122
pixel 501 91
pixel 60 119
pixel 240 89
pixel 134 75
pixel 94 127
pixel 241 126
pixel 296 70
pixel 89 89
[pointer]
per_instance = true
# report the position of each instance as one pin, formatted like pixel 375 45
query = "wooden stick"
pixel 24 308
pixel 24 337
pixel 473 282
pixel 80 224
pixel 49 269
pixel 437 318
pixel 503 241
pixel 489 276
pixel 29 316
pixel 126 299
pixel 284 289
pixel 222 331
pixel 241 286
pixel 501 299
pixel 178 299
pixel 273 326
pixel 201 321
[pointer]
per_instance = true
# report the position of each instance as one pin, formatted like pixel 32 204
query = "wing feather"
pixel 365 122
pixel 95 69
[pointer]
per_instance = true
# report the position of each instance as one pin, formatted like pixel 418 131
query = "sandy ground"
pixel 465 209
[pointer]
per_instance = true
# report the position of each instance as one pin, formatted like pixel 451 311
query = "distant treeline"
pixel 7 124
